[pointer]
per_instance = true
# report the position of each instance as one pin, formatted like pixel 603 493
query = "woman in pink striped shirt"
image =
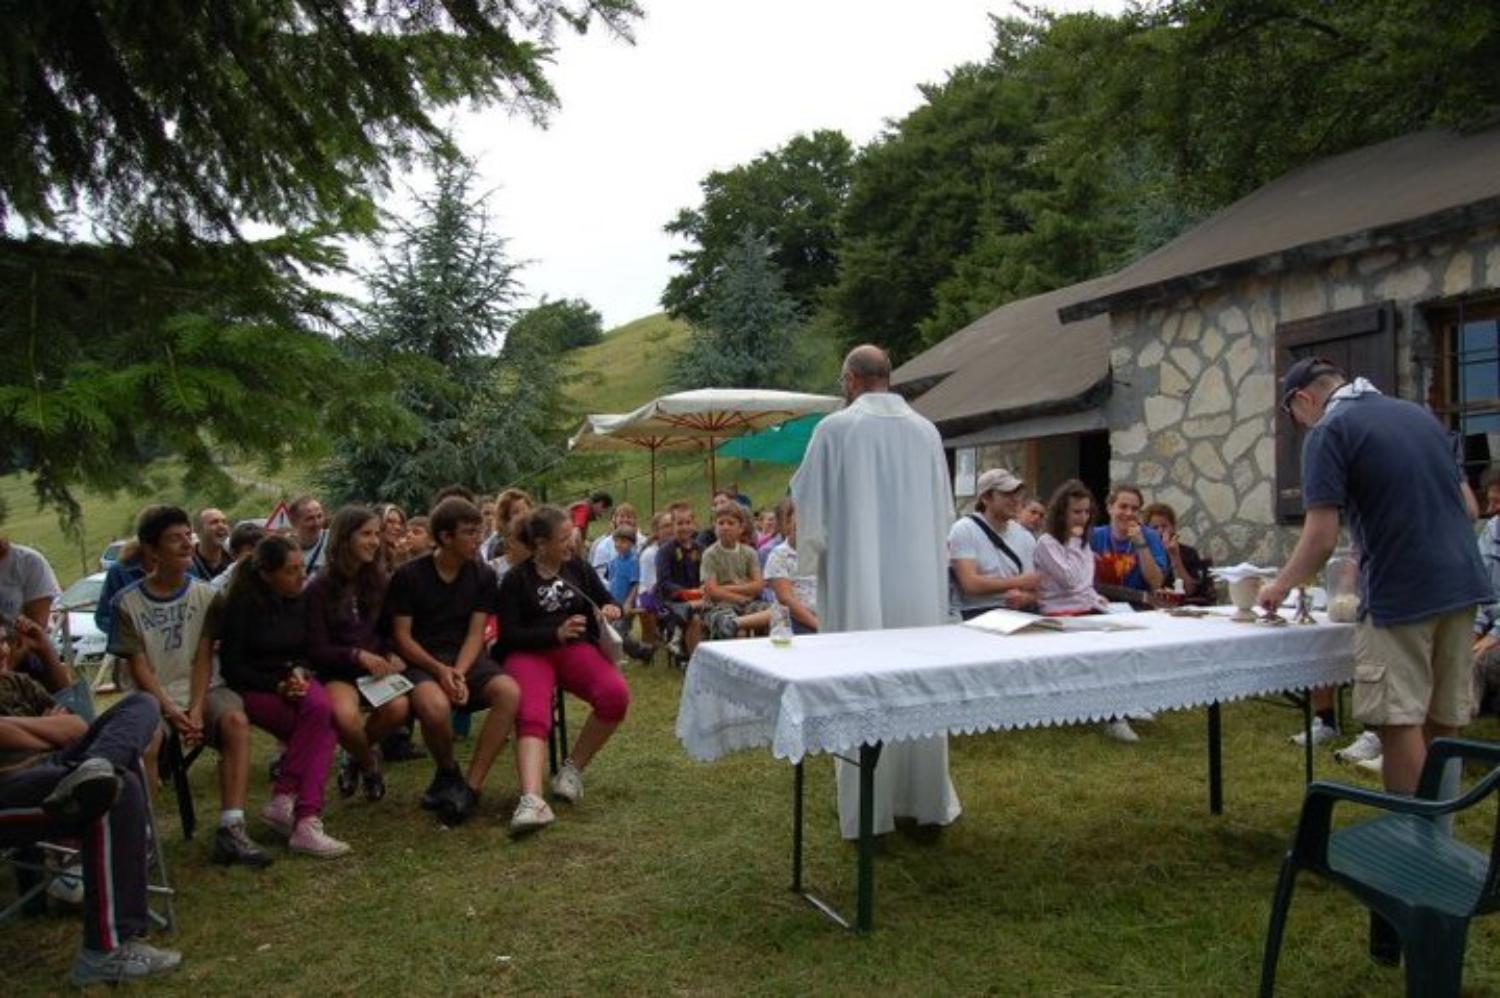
pixel 1063 558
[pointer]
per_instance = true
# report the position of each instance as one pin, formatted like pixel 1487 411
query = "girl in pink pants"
pixel 550 610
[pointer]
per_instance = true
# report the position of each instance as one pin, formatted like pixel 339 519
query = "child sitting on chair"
pixel 732 582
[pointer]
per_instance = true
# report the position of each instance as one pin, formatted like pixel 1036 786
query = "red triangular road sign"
pixel 280 518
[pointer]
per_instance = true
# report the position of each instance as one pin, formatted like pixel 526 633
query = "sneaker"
pixel 1363 748
pixel 1120 730
pixel 233 846
pixel 67 885
pixel 531 814
pixel 348 780
pixel 438 790
pixel 85 793
pixel 639 650
pixel 279 813
pixel 1375 765
pixel 1321 734
pixel 374 783
pixel 131 960
pixel 462 802
pixel 568 784
pixel 309 839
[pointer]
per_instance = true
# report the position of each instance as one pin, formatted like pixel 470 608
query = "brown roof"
pixel 1415 185
pixel 1018 360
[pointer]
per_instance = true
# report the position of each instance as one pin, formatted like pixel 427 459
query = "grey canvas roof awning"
pixel 1017 362
pixel 1414 186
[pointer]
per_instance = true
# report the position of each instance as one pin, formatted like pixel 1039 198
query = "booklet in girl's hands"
pixel 378 692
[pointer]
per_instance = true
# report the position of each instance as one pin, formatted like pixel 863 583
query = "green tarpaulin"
pixel 784 444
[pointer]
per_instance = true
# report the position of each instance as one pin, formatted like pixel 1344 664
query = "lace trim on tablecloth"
pixel 729 713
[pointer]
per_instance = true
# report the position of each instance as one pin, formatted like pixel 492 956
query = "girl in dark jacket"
pixel 344 644
pixel 263 657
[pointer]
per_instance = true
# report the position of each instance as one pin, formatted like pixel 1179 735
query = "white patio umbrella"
pixel 596 433
pixel 698 418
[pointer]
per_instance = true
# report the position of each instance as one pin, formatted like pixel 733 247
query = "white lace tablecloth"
pixel 834 692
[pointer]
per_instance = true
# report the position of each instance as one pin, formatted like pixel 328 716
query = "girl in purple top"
pixel 344 644
pixel 1063 558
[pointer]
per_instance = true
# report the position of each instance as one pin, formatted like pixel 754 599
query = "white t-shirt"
pixel 648 568
pixel 24 576
pixel 782 564
pixel 967 539
pixel 167 631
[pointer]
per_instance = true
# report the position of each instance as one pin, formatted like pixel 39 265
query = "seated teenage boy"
pixel 438 605
pixel 164 630
pixel 732 582
pixel 62 778
pixel 677 579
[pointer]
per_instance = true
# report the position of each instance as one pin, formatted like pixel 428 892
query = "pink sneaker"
pixel 310 838
pixel 278 813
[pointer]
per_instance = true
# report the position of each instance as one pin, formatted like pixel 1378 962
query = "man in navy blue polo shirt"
pixel 1378 459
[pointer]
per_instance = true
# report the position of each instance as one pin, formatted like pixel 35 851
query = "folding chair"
pixel 557 738
pixel 174 766
pixel 34 873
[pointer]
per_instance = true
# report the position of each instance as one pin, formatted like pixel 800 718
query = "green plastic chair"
pixel 1420 883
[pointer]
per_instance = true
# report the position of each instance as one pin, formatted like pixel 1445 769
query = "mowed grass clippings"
pixel 1079 867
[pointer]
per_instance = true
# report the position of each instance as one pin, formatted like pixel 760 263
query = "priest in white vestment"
pixel 873 509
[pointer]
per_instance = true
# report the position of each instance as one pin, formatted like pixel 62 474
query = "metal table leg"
pixel 1215 760
pixel 869 756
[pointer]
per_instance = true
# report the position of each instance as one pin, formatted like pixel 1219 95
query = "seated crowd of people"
pixel 477 607
pixel 301 633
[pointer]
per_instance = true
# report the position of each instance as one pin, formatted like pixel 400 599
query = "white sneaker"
pixel 568 784
pixel 67 885
pixel 1375 765
pixel 1363 748
pixel 1120 730
pixel 1321 734
pixel 531 814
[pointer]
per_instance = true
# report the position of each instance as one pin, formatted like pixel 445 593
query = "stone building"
pixel 1386 260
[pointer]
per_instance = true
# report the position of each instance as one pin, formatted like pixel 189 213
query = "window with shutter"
pixel 1362 342
pixel 1466 380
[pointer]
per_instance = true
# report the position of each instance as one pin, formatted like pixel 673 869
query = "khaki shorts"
pixel 221 701
pixel 1412 673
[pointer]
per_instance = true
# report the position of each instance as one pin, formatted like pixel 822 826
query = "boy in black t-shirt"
pixel 438 605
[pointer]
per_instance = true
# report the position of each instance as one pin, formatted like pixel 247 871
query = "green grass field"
pixel 107 517
pixel 1080 867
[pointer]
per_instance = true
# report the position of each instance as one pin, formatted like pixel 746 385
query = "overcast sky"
pixel 707 85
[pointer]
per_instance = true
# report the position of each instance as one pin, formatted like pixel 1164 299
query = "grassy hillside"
pixel 628 369
pixel 107 517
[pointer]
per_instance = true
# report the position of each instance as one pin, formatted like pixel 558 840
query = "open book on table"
pixel 1003 621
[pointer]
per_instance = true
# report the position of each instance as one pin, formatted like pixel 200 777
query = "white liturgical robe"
pixel 873 508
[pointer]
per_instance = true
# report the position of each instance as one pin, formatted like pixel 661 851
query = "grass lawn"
pixel 1079 867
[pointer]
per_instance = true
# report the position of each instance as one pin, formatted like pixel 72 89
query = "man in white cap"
pixel 991 552
pixel 873 504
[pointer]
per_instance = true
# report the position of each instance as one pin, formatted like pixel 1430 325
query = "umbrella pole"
pixel 653 483
pixel 713 468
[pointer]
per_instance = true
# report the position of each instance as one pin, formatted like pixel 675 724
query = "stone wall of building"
pixel 1192 410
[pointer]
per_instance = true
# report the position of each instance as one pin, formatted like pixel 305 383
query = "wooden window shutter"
pixel 1362 342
